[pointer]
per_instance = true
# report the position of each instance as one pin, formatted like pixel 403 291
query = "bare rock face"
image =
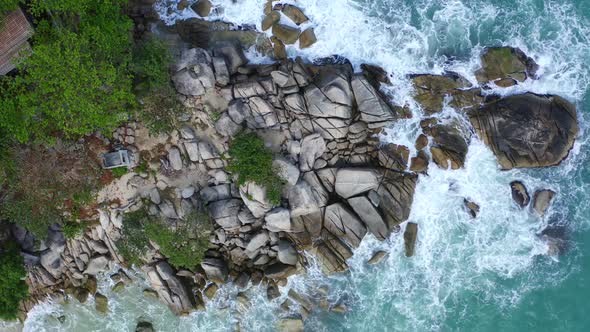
pixel 370 216
pixel 170 288
pixel 216 269
pixel 396 194
pixel 225 213
pixel 542 201
pixel 394 157
pixel 431 91
pixel 519 194
pixel 449 146
pixel 332 253
pixel 341 222
pixel 353 181
pixel 527 130
pixel 505 66
pixel 312 147
pixel 374 111
pixel 194 73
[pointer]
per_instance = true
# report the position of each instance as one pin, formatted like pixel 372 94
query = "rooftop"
pixel 15 30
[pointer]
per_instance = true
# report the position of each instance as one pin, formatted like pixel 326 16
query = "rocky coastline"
pixel 321 121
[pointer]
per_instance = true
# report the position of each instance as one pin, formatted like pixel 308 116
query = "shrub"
pixel 119 171
pixel 13 288
pixel 43 184
pixel 73 229
pixel 252 161
pixel 183 243
pixel 6 6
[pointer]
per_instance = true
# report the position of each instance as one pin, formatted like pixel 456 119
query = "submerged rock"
pixel 542 200
pixel 290 324
pixel 527 130
pixel 410 235
pixel 505 64
pixel 472 208
pixel 519 193
pixel 101 303
pixel 144 327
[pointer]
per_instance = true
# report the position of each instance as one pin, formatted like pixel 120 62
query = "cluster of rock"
pixel 287 34
pixel 57 264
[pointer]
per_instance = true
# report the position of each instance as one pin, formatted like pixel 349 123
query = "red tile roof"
pixel 15 30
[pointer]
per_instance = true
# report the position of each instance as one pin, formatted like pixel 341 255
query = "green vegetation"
pixel 13 288
pixel 42 185
pixel 119 171
pixel 159 107
pixel 8 5
pixel 73 229
pixel 183 243
pixel 77 79
pixel 252 161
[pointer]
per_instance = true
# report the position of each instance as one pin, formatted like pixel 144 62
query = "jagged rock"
pixel 279 271
pixel 233 55
pixel 312 147
pixel 225 213
pixel 370 216
pixel 101 303
pixel 286 170
pixel 353 181
pixel 279 49
pixel 215 269
pixel 341 222
pixel 96 265
pixel 258 241
pixel 332 100
pixel 194 81
pixel 287 254
pixel 375 74
pixel 304 198
pixel 295 14
pixel 98 246
pixel 331 128
pixel 431 91
pixel 174 158
pixel 278 220
pixel 215 193
pixel 527 130
pixel 419 163
pixel 221 71
pixel 285 33
pixel 242 280
pixel 254 196
pixel 449 146
pixel 332 253
pixel 542 200
pixel 211 290
pixel 263 114
pixel 144 327
pixel 472 208
pixel 519 193
pixel 202 8
pixel 393 156
pixel 52 262
pixel 396 194
pixel 410 236
pixel 272 291
pixel 270 19
pixel 378 257
pixel 374 111
pixel 290 324
pixel 226 127
pixel 307 38
pixel 248 89
pixel 501 63
pixel 167 209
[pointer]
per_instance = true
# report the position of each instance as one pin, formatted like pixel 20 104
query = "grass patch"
pixel 252 161
pixel 73 229
pixel 119 171
pixel 13 288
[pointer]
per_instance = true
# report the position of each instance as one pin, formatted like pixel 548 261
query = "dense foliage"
pixel 76 80
pixel 184 242
pixel 13 288
pixel 7 5
pixel 252 161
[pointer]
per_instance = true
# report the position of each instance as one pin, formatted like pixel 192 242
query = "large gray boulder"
pixel 225 213
pixel 354 181
pixel 312 147
pixel 96 265
pixel 396 194
pixel 519 193
pixel 193 73
pixel 174 158
pixel 287 254
pixel 410 236
pixel 278 220
pixel 215 269
pixel 343 223
pixel 542 201
pixel 374 111
pixel 505 66
pixel 254 196
pixel 527 130
pixel 305 198
pixel 370 216
pixel 286 170
pixel 332 253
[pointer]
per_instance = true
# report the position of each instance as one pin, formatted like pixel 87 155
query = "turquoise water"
pixel 487 274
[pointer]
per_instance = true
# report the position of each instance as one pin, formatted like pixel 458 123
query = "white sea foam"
pixel 496 257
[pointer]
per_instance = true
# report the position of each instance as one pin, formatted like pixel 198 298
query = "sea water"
pixel 490 273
